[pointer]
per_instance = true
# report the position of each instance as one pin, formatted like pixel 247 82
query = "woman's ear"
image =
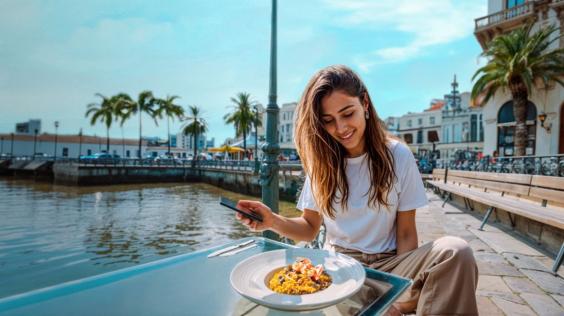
pixel 365 101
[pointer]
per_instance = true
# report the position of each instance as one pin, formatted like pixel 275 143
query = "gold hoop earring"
pixel 366 115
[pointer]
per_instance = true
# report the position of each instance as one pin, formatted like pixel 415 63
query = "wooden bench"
pixel 539 198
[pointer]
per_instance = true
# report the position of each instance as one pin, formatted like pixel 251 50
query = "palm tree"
pixel 167 108
pixel 196 126
pixel 145 104
pixel 121 102
pixel 517 61
pixel 242 116
pixel 104 112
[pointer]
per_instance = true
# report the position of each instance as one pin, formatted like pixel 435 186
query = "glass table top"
pixel 188 284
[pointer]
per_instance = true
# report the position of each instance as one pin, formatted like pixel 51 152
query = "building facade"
pixel 421 130
pixel 461 125
pixel 545 109
pixel 30 127
pixel 66 146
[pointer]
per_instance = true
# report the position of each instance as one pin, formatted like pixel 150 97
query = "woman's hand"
pixel 259 208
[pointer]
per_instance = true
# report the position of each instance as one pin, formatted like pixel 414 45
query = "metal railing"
pixel 536 165
pixel 505 15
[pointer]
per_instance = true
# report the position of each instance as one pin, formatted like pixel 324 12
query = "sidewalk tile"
pixel 494 264
pixel 490 283
pixel 543 304
pixel 487 307
pixel 513 309
pixel 546 281
pixel 524 262
pixel 522 285
pixel 502 242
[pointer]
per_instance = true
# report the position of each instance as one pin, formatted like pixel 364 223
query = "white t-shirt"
pixel 360 226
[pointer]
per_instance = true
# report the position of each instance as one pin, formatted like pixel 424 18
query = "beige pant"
pixel 444 275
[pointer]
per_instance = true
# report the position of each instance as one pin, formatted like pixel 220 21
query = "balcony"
pixel 515 14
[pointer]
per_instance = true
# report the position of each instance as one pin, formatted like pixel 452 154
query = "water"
pixel 51 234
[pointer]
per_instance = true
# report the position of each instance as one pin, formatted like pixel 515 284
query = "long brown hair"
pixel 323 158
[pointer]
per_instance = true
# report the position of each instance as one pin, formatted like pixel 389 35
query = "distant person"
pixel 364 186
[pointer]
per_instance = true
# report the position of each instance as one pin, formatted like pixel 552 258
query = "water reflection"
pixel 50 234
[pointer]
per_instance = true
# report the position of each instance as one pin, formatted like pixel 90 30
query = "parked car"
pixel 98 158
pixel 166 159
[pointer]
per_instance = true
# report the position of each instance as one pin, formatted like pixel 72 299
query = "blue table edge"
pixel 399 284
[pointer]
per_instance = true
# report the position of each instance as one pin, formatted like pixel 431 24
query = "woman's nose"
pixel 340 126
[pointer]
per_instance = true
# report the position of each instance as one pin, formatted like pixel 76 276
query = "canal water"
pixel 51 234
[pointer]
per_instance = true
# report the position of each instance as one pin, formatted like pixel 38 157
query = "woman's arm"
pixel 303 228
pixel 406 231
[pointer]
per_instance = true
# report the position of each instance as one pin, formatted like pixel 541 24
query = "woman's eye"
pixel 328 122
pixel 349 114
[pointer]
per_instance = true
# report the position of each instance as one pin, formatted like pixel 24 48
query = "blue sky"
pixel 55 55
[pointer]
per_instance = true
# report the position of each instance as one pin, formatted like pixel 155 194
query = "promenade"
pixel 515 277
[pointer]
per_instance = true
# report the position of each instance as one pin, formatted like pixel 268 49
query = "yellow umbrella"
pixel 226 148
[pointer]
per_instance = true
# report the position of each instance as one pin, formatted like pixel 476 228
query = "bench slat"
pixel 548 182
pixel 547 194
pixel 535 212
pixel 500 177
pixel 498 186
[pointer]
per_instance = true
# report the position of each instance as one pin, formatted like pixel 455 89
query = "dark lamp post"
pixel 257 167
pixel 34 141
pixel 269 168
pixel 56 135
pixel 79 143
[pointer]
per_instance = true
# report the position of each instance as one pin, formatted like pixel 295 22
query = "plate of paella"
pixel 298 279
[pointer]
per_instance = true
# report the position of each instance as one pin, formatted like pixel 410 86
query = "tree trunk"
pixel 520 100
pixel 244 143
pixel 195 146
pixel 139 154
pixel 108 140
pixel 168 132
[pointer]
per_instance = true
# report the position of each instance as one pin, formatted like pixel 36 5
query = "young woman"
pixel 365 186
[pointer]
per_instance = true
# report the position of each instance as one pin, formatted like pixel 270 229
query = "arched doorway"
pixel 561 137
pixel 506 129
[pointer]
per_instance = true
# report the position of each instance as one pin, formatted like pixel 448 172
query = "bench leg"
pixel 488 213
pixel 448 196
pixel 558 260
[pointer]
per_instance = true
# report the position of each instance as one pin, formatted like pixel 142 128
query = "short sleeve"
pixel 306 199
pixel 412 192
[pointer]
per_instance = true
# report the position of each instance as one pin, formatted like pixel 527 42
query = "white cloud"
pixel 427 23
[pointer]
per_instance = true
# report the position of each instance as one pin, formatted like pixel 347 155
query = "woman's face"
pixel 344 119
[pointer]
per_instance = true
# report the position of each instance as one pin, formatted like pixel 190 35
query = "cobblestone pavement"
pixel 515 278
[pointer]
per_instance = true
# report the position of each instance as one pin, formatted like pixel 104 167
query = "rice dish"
pixel 300 278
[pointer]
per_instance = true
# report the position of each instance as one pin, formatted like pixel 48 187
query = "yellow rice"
pixel 287 281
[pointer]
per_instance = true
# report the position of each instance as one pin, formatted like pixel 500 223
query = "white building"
pixel 30 127
pixel 286 124
pixel 392 125
pixel 461 126
pixel 504 16
pixel 67 146
pixel 421 130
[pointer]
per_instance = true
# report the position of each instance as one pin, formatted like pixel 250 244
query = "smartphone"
pixel 232 205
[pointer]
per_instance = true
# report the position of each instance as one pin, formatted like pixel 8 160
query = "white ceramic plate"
pixel 250 277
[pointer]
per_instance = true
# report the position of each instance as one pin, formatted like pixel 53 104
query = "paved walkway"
pixel 515 278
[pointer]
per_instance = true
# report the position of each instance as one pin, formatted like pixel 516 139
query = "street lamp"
pixel 56 134
pixel 12 145
pixel 269 169
pixel 34 141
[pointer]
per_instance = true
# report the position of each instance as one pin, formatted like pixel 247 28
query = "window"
pixel 473 127
pixel 127 153
pixel 408 138
pixel 65 152
pixel 506 129
pixel 420 137
pixel 420 121
pixel 408 123
pixel 89 152
pixel 512 3
pixel 432 120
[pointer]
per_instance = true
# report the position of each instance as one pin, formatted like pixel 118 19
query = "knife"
pixel 227 249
